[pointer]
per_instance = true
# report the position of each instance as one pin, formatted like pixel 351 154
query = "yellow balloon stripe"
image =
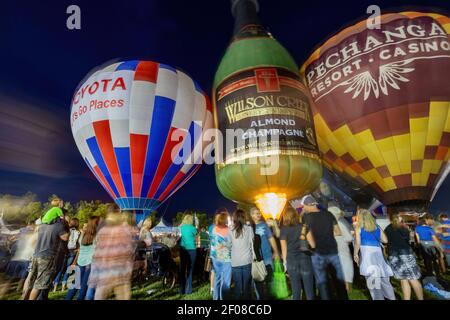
pixel 346 138
pixel 402 144
pixel 368 145
pixel 436 122
pixel 418 129
pixel 394 153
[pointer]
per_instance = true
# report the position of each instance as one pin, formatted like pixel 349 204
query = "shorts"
pixel 404 266
pixel 42 272
pixel 17 269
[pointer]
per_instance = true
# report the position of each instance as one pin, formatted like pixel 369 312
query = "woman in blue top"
pixel 372 265
pixel 210 232
pixel 430 245
pixel 444 235
pixel 187 253
pixel 269 251
pixel 221 256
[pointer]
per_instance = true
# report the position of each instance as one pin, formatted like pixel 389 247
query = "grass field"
pixel 201 291
pixel 155 291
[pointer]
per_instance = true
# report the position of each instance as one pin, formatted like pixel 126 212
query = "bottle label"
pixel 264 111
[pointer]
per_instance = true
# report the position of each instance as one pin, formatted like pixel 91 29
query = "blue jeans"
pixel 242 277
pixel 69 261
pixel 222 279
pixel 85 292
pixel 187 262
pixel 321 263
pixel 301 273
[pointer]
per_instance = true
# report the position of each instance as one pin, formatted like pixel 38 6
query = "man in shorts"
pixel 43 265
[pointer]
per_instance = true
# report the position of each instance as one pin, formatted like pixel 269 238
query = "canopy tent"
pixel 165 233
pixel 163 227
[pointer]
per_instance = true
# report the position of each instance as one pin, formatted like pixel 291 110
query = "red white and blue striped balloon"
pixel 122 119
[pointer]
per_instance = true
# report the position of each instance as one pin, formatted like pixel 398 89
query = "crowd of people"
pixel 91 263
pixel 321 253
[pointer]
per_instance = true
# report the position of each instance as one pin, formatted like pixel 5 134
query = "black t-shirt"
pixel 398 240
pixel 292 236
pixel 321 225
pixel 257 246
pixel 49 240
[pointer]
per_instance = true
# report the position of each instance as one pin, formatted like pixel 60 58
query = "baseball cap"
pixel 309 200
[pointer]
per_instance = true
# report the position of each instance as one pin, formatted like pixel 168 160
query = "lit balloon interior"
pixel 271 205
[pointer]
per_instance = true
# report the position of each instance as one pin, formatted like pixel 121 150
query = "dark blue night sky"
pixel 43 62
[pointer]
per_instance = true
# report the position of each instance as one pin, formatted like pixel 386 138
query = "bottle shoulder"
pixel 244 54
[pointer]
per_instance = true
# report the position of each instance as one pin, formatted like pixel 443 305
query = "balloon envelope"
pixel 139 125
pixel 381 105
pixel 276 159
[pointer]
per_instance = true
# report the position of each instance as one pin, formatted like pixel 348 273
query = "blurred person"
pixel 269 250
pixel 210 230
pixel 401 258
pixel 54 212
pixel 343 242
pixel 19 264
pixel 83 261
pixel 202 252
pixel 430 245
pixel 145 234
pixel 188 252
pixel 61 256
pixel 275 228
pixel 297 263
pixel 144 241
pixel 324 227
pixel 72 247
pixel 221 256
pixel 203 238
pixel 51 238
pixel 241 255
pixel 444 235
pixel 372 265
pixel 112 261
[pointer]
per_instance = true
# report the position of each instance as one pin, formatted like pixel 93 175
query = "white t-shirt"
pixel 73 239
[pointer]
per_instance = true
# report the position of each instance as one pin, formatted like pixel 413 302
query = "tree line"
pixel 20 210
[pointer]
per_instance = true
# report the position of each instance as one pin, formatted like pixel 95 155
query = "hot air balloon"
pixel 139 127
pixel 257 90
pixel 381 106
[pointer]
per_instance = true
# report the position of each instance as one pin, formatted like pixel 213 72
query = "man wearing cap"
pixel 324 227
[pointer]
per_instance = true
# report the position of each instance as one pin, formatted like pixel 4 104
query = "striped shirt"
pixel 112 263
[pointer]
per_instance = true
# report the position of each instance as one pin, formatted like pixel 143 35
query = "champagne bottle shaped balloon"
pixel 269 151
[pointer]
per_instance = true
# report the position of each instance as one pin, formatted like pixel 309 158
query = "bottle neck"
pixel 247 23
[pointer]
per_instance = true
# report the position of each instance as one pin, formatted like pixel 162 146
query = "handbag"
pixel 259 271
pixel 208 262
pixel 304 245
pixel 280 289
